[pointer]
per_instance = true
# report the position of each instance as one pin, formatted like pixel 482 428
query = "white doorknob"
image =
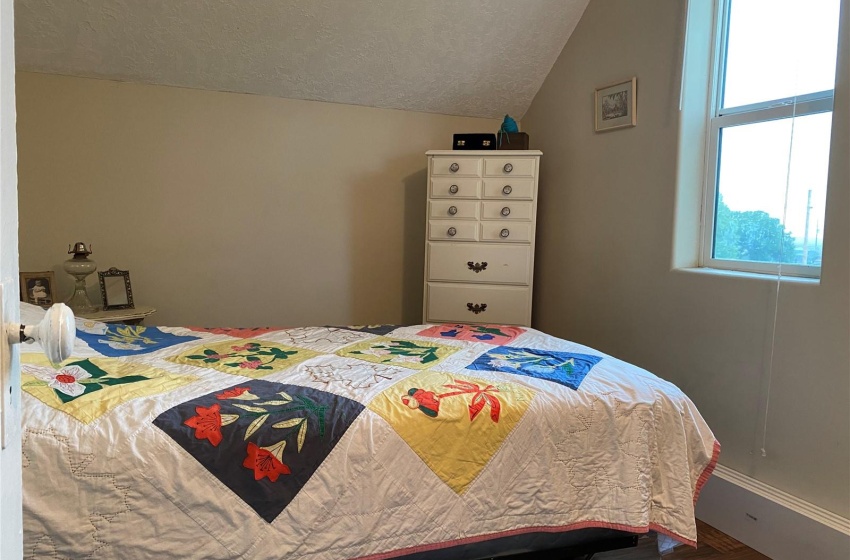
pixel 55 333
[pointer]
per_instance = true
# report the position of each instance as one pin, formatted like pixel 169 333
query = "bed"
pixel 371 442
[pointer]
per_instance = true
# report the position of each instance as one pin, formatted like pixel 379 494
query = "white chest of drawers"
pixel 479 247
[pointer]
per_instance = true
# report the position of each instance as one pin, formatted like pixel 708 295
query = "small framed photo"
pixel 37 288
pixel 616 105
pixel 115 289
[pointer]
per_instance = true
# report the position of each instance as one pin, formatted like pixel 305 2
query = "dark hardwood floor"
pixel 711 545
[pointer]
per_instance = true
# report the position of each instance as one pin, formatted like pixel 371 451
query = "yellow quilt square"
pixel 399 352
pixel 454 423
pixel 251 358
pixel 89 388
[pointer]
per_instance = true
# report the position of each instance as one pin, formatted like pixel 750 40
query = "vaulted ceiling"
pixel 480 58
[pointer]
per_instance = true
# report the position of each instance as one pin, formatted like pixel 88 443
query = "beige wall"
pixel 230 209
pixel 605 242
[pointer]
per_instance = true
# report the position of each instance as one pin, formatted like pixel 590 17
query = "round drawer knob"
pixel 508 168
pixel 504 233
pixel 453 189
pixel 506 211
pixel 507 189
pixel 452 210
pixel 454 167
pixel 452 232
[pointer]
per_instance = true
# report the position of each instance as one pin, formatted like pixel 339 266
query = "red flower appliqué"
pixel 480 398
pixel 251 365
pixel 264 463
pixel 231 393
pixel 425 401
pixel 207 423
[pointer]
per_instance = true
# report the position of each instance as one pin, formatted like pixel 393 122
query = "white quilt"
pixel 357 442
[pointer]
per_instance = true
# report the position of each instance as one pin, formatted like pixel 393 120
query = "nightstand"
pixel 126 316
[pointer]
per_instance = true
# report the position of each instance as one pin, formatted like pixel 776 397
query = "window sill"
pixel 764 277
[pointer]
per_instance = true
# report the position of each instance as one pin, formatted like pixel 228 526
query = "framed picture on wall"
pixel 37 288
pixel 616 105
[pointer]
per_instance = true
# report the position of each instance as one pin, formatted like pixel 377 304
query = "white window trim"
pixel 720 117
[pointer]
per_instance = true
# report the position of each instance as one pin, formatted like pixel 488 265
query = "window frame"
pixel 725 117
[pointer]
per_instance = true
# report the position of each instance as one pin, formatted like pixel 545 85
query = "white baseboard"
pixel 770 521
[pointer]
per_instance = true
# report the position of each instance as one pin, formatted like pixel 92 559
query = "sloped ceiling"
pixel 481 58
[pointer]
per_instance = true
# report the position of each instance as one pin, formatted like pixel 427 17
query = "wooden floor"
pixel 712 545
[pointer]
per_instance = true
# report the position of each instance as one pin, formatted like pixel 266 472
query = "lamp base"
pixel 79 301
pixel 79 267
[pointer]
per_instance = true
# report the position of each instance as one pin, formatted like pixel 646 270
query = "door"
pixel 11 543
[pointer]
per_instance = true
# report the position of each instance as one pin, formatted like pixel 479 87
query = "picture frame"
pixel 615 105
pixel 115 289
pixel 38 288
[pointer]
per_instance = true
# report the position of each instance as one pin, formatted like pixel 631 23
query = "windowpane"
pixel 779 48
pixel 751 220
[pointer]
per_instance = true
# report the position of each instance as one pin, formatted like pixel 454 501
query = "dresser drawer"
pixel 506 210
pixel 458 303
pixel 509 166
pixel 455 209
pixel 499 264
pixel 510 188
pixel 506 232
pixel 456 166
pixel 452 230
pixel 447 187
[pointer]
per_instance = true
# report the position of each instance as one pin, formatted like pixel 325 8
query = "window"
pixel 769 134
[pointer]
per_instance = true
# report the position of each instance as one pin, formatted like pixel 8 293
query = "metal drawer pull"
pixel 506 211
pixel 451 232
pixel 477 267
pixel 507 189
pixel 508 168
pixel 454 167
pixel 504 233
pixel 453 189
pixel 452 210
pixel 477 307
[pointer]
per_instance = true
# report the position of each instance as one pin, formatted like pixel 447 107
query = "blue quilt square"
pixel 565 368
pixel 126 340
pixel 262 440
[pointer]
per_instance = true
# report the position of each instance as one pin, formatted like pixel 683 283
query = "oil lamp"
pixel 79 266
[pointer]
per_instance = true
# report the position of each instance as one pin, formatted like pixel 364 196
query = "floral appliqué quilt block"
pixel 398 352
pixel 87 389
pixel 126 340
pixel 251 358
pixel 491 334
pixel 454 423
pixel 371 329
pixel 262 440
pixel 565 368
pixel 236 332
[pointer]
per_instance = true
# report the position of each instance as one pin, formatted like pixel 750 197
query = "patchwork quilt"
pixel 345 442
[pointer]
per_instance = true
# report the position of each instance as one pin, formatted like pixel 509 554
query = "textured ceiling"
pixel 479 58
